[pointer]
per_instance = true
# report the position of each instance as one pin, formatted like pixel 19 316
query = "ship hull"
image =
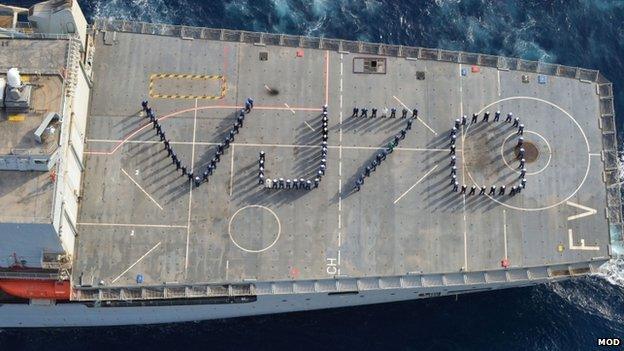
pixel 42 315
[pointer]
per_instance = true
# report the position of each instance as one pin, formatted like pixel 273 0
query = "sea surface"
pixel 566 316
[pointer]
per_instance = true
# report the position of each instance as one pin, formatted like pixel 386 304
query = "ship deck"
pixel 138 216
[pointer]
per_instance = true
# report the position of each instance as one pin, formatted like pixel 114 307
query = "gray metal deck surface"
pixel 138 216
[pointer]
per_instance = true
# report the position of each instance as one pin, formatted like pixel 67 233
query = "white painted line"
pixel 498 86
pixel 505 232
pixel 463 174
pixel 291 110
pixel 137 262
pixel 339 239
pixel 227 268
pixel 582 245
pixel 278 145
pixel 339 257
pixel 232 171
pixel 590 211
pixel 417 182
pixel 593 154
pixel 92 224
pixel 418 119
pixel 309 126
pixel 140 188
pixel 188 220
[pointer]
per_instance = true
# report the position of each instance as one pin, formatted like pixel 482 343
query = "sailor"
pixel 520 142
pixel 453 139
pixel 373 113
pixel 324 108
pixel 288 184
pixel 403 133
pixel 464 119
pixel 393 112
pixel 220 148
pixel 190 176
pixel 521 129
pixel 364 113
pixel 374 165
pixel 452 150
pixel 409 124
pixel 241 113
pixel 453 178
pixel 324 114
pixel 358 184
pixel 163 136
pixel 205 175
pixel 282 183
pixel 384 154
pixel 390 147
pixel 320 173
pixel 455 186
pixel 324 161
pixel 322 169
pixel 523 183
pixel 275 183
pixel 379 158
pixel 168 147
pixel 213 163
pixel 250 101
pixel 472 190
pixel 453 132
pixel 414 113
pixel 512 192
pixel 157 126
pixel 486 116
pixel 261 179
pixel 226 143
pixel 150 115
pixel 522 162
pixel 492 190
pixel 174 157
pixel 516 122
pixel 501 191
pixel 453 170
pixel 178 164
pixel 355 112
pixel 211 168
pixel 474 118
pixel 239 121
pixel 317 181
pixel 302 183
pixel 404 113
pixel 308 184
pixel 261 154
pixel 453 160
pixel 248 107
pixel 457 122
pixel 521 153
pixel 217 158
pixel 509 117
pixel 183 170
pixel 397 138
pixel 144 104
pixel 325 124
pixel 463 189
pixel 295 183
pixel 522 173
pixel 482 191
pixel 235 128
pixel 496 116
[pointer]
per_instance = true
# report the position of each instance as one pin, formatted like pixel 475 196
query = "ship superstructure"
pixel 195 173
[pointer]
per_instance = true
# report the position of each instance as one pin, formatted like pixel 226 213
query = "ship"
pixel 154 173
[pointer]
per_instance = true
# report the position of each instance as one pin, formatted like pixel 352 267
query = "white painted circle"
pixel 515 169
pixel 279 228
pixel 584 138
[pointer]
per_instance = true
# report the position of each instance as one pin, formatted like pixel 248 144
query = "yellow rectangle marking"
pixel 157 76
pixel 17 118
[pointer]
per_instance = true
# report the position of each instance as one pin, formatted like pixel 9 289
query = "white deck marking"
pixel 594 154
pixel 505 231
pixel 309 126
pixel 227 268
pixel 291 110
pixel 463 169
pixel 498 85
pixel 141 188
pixel 417 182
pixel 590 211
pixel 232 171
pixel 276 145
pixel 136 262
pixel 418 119
pixel 188 220
pixel 582 245
pixel 340 164
pixel 513 169
pixel 279 229
pixel 92 224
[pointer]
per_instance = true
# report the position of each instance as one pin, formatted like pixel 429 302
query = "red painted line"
pixel 177 113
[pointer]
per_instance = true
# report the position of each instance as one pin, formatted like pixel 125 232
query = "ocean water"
pixel 566 316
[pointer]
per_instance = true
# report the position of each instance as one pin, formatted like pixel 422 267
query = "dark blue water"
pixel 568 316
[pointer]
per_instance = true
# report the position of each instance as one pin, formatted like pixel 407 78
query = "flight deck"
pixel 141 221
